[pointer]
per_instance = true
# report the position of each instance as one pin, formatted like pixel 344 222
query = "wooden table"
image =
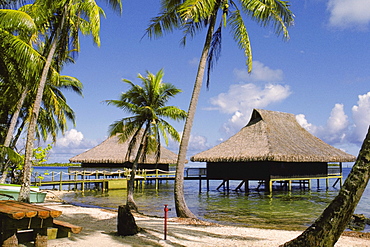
pixel 16 216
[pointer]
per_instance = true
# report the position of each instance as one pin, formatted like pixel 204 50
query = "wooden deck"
pixel 108 179
pixel 118 179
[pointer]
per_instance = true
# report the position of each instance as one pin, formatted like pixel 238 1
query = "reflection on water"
pixel 285 210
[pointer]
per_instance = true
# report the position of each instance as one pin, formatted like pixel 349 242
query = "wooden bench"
pixel 18 216
pixel 65 229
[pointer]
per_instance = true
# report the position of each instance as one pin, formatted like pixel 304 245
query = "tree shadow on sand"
pixel 104 231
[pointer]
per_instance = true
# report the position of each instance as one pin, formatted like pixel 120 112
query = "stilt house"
pixel 113 154
pixel 272 147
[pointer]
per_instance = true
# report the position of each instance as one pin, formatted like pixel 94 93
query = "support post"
pixel 318 184
pixel 61 181
pixel 246 185
pixel 200 183
pixel 270 185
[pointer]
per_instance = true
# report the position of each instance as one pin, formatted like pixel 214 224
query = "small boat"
pixel 11 192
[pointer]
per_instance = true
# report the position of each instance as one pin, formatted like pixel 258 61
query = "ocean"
pixel 296 209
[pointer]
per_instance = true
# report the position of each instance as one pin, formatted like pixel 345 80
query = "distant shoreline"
pixel 58 165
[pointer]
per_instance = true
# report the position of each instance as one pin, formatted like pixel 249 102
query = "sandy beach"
pixel 100 226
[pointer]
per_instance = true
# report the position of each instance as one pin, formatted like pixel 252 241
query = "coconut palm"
pixel 62 21
pixel 19 63
pixel 147 124
pixel 195 15
pixel 53 116
pixel 329 226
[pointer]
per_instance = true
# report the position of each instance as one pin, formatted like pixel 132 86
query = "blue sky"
pixel 321 74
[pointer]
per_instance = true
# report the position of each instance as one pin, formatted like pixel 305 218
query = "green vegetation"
pixel 59 164
pixel 144 128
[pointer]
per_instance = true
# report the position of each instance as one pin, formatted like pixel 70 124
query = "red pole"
pixel 165 221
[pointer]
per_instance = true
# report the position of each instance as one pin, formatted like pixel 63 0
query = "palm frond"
pixel 197 10
pixel 167 20
pixel 239 30
pixel 214 52
pixel 266 11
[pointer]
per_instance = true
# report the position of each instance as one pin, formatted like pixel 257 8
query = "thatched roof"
pixel 273 136
pixel 113 151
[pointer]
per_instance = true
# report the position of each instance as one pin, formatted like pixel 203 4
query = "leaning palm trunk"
pixel 131 183
pixel 182 209
pixel 11 128
pixel 330 225
pixel 24 194
pixel 126 224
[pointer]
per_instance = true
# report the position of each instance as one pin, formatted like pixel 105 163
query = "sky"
pixel 321 74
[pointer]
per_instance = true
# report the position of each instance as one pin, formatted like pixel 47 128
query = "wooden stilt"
pixel 239 186
pixel 246 185
pixel 270 185
pixel 222 184
pixel 200 183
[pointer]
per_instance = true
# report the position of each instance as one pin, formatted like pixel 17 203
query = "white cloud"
pixel 339 131
pixel 71 138
pixel 71 144
pixel 242 98
pixel 361 117
pixel 349 13
pixel 336 129
pixel 338 120
pixel 198 143
pixel 301 119
pixel 260 72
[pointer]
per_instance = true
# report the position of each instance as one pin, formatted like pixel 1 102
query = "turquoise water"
pixel 287 210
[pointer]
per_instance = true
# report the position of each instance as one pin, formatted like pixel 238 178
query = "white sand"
pixel 100 226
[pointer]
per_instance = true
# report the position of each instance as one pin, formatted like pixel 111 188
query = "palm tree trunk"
pixel 182 209
pixel 330 225
pixel 131 183
pixel 24 194
pixel 126 224
pixel 11 128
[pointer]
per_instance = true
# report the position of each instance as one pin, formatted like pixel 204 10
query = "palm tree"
pixel 144 128
pixel 53 114
pixel 63 20
pixel 18 65
pixel 194 15
pixel 328 227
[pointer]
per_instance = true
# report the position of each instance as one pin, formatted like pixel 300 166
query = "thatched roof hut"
pixel 112 153
pixel 273 136
pixel 272 146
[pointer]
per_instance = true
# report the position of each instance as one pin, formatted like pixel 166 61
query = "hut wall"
pixel 237 170
pixel 298 169
pixel 264 170
pixel 164 167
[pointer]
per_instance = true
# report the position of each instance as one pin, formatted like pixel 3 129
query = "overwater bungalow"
pixel 273 147
pixel 112 153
